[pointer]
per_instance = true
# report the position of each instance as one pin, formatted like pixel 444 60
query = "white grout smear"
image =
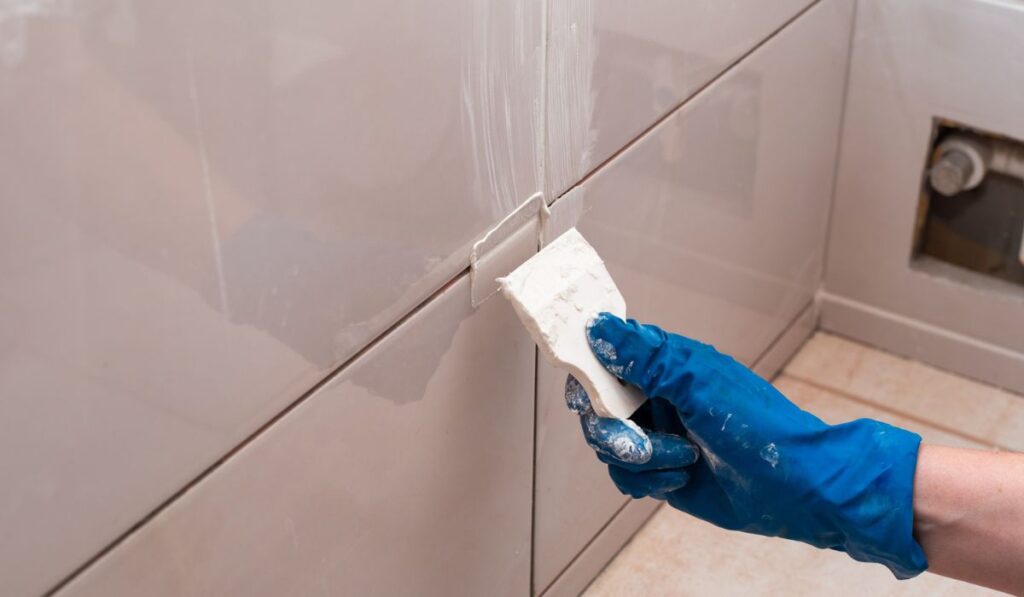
pixel 572 51
pixel 502 70
pixel 770 454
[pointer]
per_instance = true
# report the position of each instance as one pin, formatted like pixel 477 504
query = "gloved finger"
pixel 705 499
pixel 668 452
pixel 576 397
pixel 619 438
pixel 648 484
pixel 643 355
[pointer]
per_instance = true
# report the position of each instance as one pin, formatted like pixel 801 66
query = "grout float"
pixel 555 293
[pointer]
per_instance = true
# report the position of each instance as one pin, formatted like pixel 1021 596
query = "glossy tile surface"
pixel 712 225
pixel 207 206
pixel 616 67
pixel 679 555
pixel 914 60
pixel 407 474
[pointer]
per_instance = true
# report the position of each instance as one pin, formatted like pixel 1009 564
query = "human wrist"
pixel 878 514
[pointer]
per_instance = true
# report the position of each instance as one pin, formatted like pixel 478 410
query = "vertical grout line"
pixel 589 542
pixel 543 182
pixel 543 145
pixel 533 472
pixel 830 222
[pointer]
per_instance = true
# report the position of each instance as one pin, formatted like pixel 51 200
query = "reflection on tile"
pixel 415 458
pixel 708 226
pixel 209 206
pixel 676 554
pixel 615 67
pixel 979 411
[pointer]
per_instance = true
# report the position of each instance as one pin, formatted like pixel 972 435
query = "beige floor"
pixel 838 380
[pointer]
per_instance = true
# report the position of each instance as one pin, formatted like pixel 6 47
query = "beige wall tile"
pixel 658 212
pixel 393 478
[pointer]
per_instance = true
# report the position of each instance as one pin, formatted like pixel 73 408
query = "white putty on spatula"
pixel 555 293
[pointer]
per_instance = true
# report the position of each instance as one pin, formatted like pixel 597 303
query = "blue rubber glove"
pixel 765 466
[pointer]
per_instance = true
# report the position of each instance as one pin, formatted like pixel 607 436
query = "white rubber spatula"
pixel 555 293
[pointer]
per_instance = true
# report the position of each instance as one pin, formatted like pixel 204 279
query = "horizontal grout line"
pixel 252 436
pixel 893 411
pixel 686 100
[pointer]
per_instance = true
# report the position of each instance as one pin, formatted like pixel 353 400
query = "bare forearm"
pixel 969 515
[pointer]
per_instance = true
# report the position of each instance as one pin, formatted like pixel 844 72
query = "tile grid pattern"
pixel 838 380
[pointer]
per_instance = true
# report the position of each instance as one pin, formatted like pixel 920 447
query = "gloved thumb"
pixel 620 439
pixel 643 355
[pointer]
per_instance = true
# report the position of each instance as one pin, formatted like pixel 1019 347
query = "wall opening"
pixel 971 211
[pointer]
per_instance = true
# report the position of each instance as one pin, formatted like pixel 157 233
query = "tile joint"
pixel 488 258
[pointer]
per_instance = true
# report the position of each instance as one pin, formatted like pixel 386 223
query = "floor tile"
pixel 982 412
pixel 676 554
pixel 833 408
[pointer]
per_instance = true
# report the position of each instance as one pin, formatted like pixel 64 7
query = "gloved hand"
pixel 764 465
